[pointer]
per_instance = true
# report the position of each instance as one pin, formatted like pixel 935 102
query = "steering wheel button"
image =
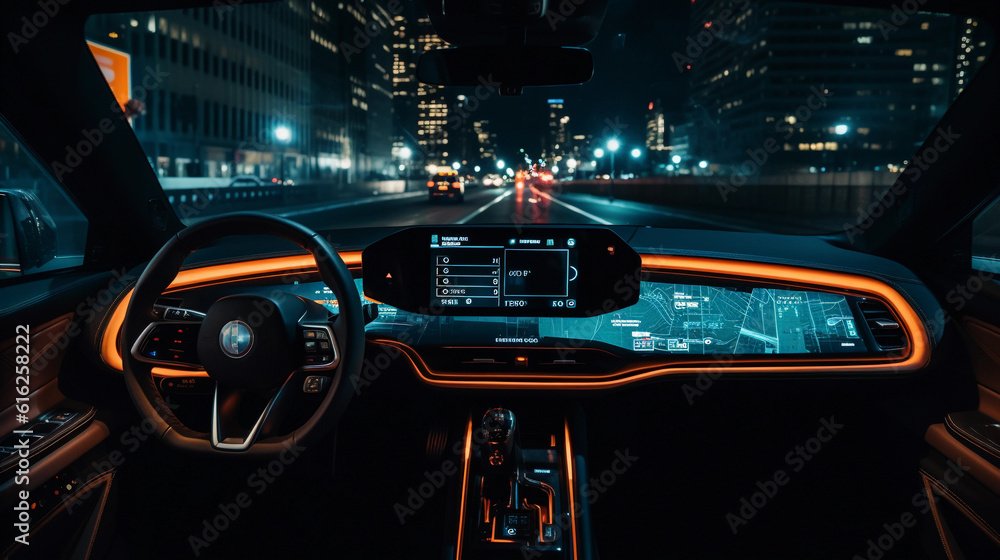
pixel 310 346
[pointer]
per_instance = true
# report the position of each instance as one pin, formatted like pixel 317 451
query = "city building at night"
pixel 816 88
pixel 272 90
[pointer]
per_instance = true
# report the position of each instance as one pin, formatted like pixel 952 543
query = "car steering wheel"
pixel 250 345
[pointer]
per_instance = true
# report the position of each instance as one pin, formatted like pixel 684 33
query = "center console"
pixel 520 498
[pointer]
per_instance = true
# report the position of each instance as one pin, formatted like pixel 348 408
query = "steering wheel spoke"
pixel 229 406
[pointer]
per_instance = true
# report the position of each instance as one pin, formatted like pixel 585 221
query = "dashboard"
pixel 668 318
pixel 637 316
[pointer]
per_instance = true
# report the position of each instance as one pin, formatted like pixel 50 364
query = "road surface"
pixel 498 206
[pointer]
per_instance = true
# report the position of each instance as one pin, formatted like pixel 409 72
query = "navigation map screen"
pixel 514 272
pixel 668 319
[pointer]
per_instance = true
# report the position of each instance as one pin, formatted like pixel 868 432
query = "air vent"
pixel 885 328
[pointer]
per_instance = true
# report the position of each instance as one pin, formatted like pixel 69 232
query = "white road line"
pixel 355 202
pixel 483 208
pixel 573 208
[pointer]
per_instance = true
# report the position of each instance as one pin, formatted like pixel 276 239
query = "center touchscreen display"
pixel 522 271
pixel 503 271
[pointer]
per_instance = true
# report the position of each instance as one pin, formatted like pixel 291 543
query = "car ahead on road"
pixel 446 184
pixel 246 181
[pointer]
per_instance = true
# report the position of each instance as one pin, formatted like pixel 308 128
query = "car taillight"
pixel 430 183
pixel 456 185
pixel 519 185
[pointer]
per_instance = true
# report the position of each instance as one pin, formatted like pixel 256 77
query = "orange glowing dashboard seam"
pixel 466 465
pixel 917 356
pixel 570 485
pixel 208 275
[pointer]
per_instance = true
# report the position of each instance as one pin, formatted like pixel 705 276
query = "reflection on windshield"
pixel 715 114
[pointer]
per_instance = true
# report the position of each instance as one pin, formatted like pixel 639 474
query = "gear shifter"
pixel 516 508
pixel 502 446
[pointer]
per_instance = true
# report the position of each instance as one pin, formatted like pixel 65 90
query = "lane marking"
pixel 355 202
pixel 483 208
pixel 583 213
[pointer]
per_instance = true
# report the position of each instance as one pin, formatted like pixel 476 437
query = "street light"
pixel 703 164
pixel 282 134
pixel 456 165
pixel 613 146
pixel 476 169
pixel 676 160
pixel 636 152
pixel 405 153
pixel 598 153
pixel 840 129
pixel 571 163
pixel 501 164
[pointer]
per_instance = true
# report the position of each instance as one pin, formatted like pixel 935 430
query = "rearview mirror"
pixel 508 68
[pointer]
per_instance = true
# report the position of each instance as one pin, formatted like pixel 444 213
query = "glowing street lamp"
pixel 405 152
pixel 676 160
pixel 703 164
pixel 636 152
pixel 841 129
pixel 501 164
pixel 598 153
pixel 282 134
pixel 456 166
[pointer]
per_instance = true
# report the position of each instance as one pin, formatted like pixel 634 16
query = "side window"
pixel 41 229
pixel 986 239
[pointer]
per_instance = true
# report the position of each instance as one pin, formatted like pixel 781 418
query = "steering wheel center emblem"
pixel 236 339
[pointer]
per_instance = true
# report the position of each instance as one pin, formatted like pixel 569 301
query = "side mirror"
pixel 27 233
pixel 508 68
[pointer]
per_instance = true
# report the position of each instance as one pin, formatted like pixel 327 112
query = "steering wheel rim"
pixel 347 329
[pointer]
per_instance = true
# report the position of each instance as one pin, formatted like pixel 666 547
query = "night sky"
pixel 626 78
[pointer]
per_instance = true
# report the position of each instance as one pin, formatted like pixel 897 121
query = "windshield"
pixel 742 115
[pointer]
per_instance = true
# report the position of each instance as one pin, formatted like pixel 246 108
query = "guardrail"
pixel 215 196
pixel 812 194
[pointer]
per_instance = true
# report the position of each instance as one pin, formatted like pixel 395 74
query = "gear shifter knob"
pixel 499 427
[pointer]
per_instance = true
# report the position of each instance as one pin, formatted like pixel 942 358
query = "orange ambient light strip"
pixel 918 354
pixel 570 486
pixel 465 488
pixel 213 274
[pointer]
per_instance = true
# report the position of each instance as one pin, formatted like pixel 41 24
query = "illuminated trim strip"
pixel 918 354
pixel 208 275
pixel 465 488
pixel 570 484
